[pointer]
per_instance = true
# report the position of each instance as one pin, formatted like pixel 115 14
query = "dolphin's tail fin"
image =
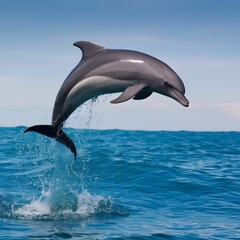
pixel 57 134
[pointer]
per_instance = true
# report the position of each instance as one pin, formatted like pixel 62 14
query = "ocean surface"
pixel 123 185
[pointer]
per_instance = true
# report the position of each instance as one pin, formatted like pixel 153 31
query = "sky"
pixel 199 39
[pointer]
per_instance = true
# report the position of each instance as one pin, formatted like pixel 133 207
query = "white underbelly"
pixel 92 87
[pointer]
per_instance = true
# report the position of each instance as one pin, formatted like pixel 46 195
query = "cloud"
pixel 16 93
pixel 230 109
pixel 17 52
pixel 141 40
pixel 9 80
pixel 207 64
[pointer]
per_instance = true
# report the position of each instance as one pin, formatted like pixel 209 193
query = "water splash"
pixel 61 180
pixel 63 191
pixel 87 205
pixel 89 115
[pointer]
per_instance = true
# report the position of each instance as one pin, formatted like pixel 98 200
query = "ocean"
pixel 123 185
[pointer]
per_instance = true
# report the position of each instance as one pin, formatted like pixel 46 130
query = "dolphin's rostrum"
pixel 102 71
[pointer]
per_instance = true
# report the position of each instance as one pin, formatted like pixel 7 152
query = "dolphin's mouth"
pixel 178 96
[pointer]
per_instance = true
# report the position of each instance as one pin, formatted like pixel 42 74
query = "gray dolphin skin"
pixel 103 71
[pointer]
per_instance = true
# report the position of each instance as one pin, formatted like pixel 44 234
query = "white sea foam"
pixel 33 210
pixel 42 208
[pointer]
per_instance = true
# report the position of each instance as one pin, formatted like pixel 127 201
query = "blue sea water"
pixel 123 185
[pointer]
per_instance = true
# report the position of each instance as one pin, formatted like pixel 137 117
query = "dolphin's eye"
pixel 166 83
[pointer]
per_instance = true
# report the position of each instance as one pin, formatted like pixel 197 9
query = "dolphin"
pixel 103 71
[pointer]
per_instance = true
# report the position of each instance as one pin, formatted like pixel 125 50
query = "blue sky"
pixel 198 39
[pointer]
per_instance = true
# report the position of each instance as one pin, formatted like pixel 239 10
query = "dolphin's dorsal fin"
pixel 129 93
pixel 88 49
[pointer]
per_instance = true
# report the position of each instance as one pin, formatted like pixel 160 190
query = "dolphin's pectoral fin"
pixel 129 93
pixel 144 93
pixel 57 134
